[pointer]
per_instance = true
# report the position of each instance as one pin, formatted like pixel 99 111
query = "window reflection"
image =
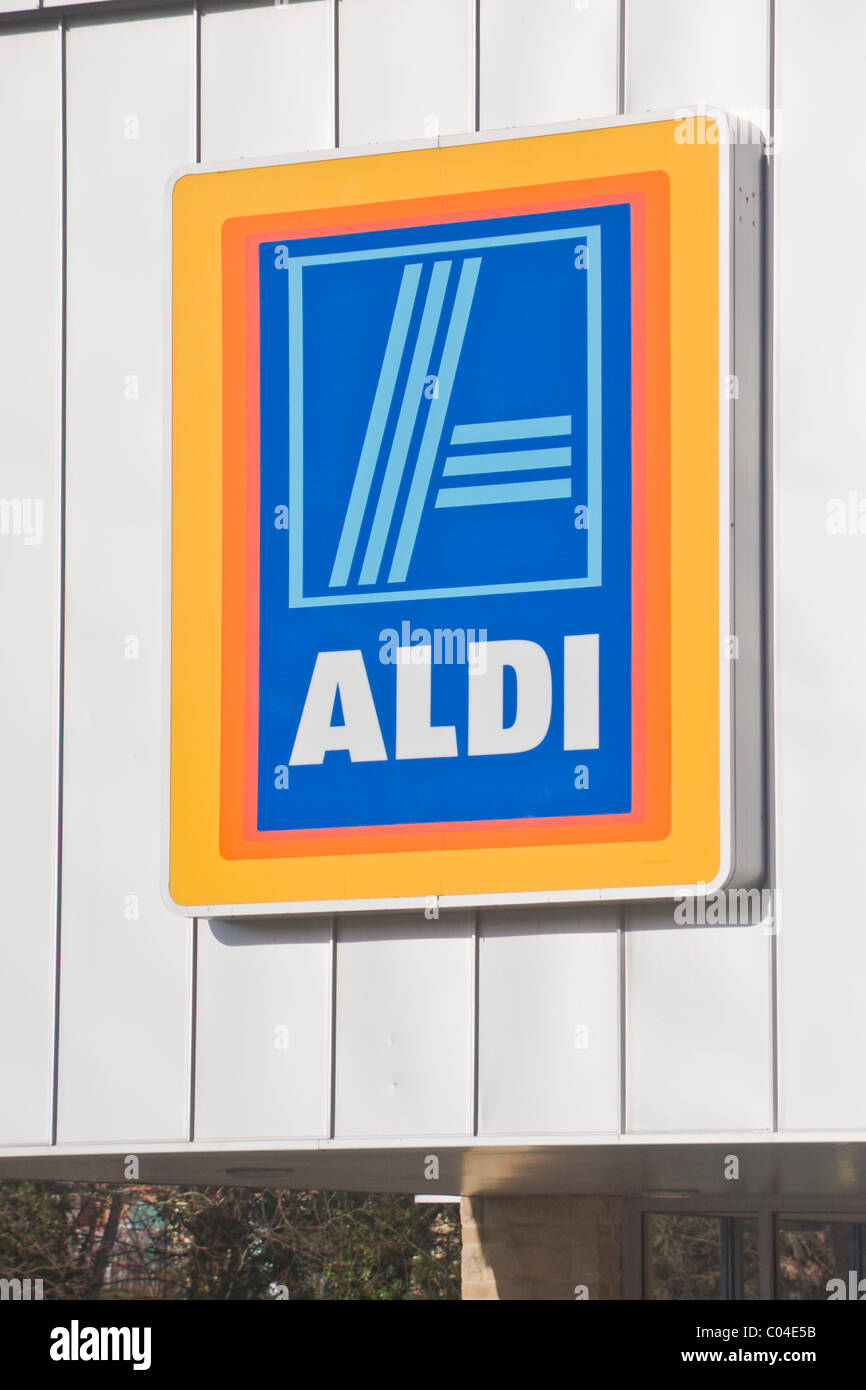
pixel 809 1253
pixel 700 1257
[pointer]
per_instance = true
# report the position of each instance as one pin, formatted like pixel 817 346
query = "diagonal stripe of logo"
pixel 406 422
pixel 376 425
pixel 435 420
pixel 412 394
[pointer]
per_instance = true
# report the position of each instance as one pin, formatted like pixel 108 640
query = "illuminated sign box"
pixel 455 549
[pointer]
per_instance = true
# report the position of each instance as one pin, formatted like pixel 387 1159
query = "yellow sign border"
pixel 697 848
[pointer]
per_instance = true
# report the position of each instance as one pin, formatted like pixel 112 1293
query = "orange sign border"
pixel 650 817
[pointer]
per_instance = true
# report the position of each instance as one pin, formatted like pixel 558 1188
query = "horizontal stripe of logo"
pixel 458 465
pixel 542 491
pixel 500 431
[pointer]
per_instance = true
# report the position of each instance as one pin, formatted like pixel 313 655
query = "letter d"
pixel 487 732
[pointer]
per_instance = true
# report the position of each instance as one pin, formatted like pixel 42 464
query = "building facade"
pixel 655 1064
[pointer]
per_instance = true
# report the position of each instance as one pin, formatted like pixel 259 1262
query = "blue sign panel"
pixel 445 585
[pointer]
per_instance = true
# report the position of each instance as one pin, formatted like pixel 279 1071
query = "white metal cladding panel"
pixel 551 60
pixel 682 52
pixel 698 1035
pixel 29 574
pixel 263 1030
pixel 698 1005
pixel 267 80
pixel 263 996
pixel 538 969
pixel 548 1022
pixel 404 1046
pixel 820 575
pixel 407 69
pixel 125 963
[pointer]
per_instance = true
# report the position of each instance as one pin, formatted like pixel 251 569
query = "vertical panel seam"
pixel 194 925
pixel 621 1014
pixel 768 440
pixel 620 58
pixel 61 589
pixel 477 112
pixel 197 83
pixel 476 1024
pixel 336 72
pixel 332 1030
pixel 193 1024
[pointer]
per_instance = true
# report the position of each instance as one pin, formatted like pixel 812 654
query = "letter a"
pixel 340 673
pixel 59 1350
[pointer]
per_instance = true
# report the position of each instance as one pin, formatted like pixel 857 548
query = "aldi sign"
pixel 449 491
pixel 451 535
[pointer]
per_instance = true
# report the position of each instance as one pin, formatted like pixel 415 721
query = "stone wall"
pixel 541 1247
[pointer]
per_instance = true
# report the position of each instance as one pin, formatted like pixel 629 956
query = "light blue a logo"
pixel 402 462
